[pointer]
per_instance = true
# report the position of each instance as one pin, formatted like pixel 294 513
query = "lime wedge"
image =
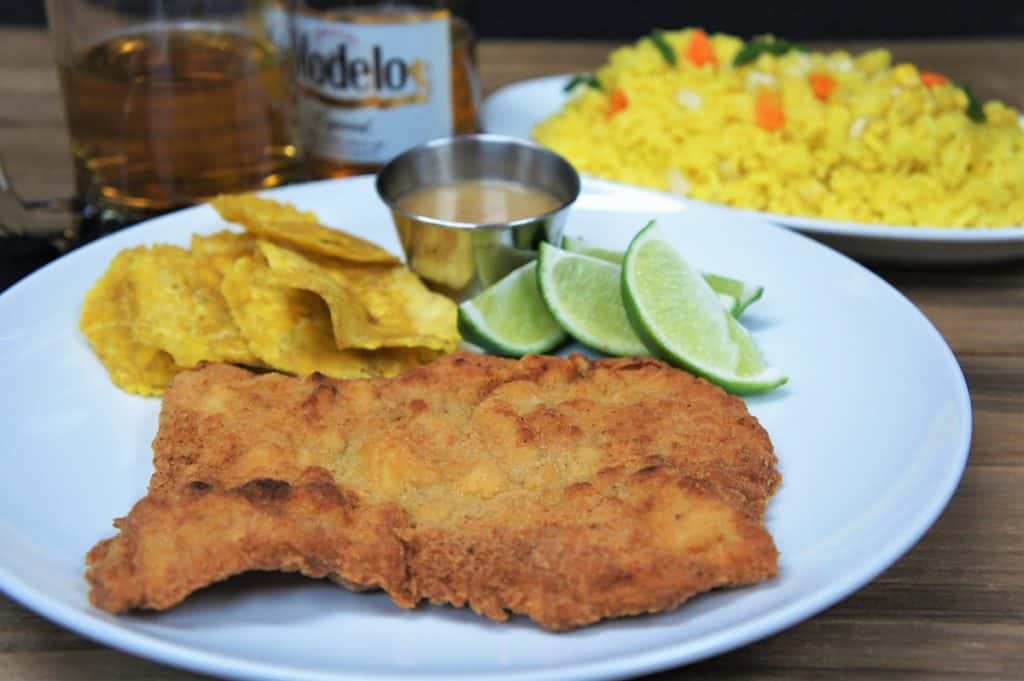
pixel 510 317
pixel 736 295
pixel 577 245
pixel 679 316
pixel 742 293
pixel 584 296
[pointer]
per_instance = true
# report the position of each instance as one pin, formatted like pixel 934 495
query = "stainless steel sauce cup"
pixel 459 258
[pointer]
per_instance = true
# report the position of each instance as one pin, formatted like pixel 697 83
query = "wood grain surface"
pixel 952 607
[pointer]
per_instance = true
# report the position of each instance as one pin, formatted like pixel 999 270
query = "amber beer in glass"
pixel 172 102
pixel 376 78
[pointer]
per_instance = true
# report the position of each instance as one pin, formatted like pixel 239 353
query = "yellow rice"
pixel 884 148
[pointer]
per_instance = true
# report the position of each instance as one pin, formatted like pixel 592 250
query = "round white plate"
pixel 516 109
pixel 872 433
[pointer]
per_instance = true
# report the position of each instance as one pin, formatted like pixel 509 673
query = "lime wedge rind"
pixel 708 341
pixel 729 303
pixel 510 318
pixel 584 296
pixel 747 299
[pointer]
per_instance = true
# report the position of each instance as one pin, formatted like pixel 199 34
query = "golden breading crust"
pixel 562 489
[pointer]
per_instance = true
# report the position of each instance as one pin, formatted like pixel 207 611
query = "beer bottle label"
pixel 368 91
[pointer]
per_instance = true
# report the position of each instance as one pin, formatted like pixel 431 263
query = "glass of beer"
pixel 170 102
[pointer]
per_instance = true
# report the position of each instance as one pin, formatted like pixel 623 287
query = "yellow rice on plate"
pixel 835 136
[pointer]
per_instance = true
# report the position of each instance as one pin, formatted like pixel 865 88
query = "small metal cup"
pixel 461 259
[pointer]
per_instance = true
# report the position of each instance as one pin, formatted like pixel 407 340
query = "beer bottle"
pixel 378 77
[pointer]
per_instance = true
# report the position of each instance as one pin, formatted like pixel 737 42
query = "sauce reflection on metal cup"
pixel 461 259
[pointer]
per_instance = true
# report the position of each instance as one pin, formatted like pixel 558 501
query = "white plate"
pixel 516 109
pixel 872 432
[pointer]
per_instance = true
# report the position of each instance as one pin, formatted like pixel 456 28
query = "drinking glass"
pixel 170 102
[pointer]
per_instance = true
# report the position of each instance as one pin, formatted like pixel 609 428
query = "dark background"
pixel 624 19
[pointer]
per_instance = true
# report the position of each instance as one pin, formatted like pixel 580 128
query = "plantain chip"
pixel 285 224
pixel 106 322
pixel 371 306
pixel 213 255
pixel 343 307
pixel 219 251
pixel 180 308
pixel 290 328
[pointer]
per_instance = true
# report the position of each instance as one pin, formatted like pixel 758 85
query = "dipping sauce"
pixel 479 202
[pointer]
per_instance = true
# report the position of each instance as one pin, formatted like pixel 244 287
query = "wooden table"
pixel 953 606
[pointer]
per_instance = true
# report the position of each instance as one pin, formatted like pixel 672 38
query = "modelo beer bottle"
pixel 376 78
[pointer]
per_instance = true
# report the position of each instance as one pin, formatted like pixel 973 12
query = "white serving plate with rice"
pixel 517 108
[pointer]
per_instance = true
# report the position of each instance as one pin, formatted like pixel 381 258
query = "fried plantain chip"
pixel 213 255
pixel 343 307
pixel 106 322
pixel 285 224
pixel 220 250
pixel 371 307
pixel 180 308
pixel 290 328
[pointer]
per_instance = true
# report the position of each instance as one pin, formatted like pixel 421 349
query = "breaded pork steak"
pixel 562 489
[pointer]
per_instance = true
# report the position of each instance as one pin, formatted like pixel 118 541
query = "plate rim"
pixel 105 629
pixel 810 225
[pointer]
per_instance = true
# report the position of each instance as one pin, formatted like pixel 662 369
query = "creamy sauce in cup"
pixel 479 202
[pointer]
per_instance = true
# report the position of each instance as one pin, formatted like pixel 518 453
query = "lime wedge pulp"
pixel 680 318
pixel 584 296
pixel 510 317
pixel 736 295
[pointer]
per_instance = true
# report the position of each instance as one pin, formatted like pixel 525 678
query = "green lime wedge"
pixel 680 318
pixel 577 245
pixel 584 296
pixel 729 304
pixel 740 291
pixel 510 317
pixel 736 295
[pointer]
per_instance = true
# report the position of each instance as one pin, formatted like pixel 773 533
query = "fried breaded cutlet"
pixel 562 489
